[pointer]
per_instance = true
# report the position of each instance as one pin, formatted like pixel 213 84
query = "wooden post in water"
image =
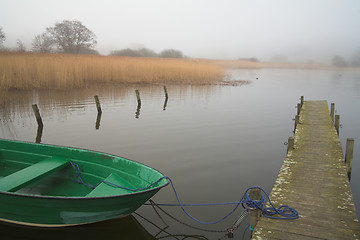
pixel 297 121
pixel 255 213
pixel 37 115
pixel 290 144
pixel 98 104
pixel 337 123
pixel 332 111
pixel 349 155
pixel 166 98
pixel 137 113
pixel 138 97
pixel 166 92
pixel 302 100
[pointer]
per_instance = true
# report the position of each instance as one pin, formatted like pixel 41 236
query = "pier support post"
pixel 332 111
pixel 37 115
pixel 297 121
pixel 298 108
pixel 337 123
pixel 290 144
pixel 349 155
pixel 255 213
pixel 302 100
pixel 98 104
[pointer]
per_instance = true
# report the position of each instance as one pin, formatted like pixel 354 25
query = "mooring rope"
pixel 282 212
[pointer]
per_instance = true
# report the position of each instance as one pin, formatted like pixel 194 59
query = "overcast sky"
pixel 224 29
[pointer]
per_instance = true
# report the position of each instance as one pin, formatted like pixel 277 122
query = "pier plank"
pixel 314 181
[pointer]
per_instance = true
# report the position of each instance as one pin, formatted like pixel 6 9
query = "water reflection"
pixel 137 113
pixel 98 119
pixel 165 103
pixel 39 133
pixel 122 228
pixel 233 132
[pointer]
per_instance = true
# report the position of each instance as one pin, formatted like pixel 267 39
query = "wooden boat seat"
pixel 105 189
pixel 28 175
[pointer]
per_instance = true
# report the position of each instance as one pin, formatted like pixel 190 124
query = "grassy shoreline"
pixel 25 71
pixel 29 71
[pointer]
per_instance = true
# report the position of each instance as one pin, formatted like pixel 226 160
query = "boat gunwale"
pixel 84 197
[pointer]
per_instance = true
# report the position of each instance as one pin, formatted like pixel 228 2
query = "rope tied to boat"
pixel 282 212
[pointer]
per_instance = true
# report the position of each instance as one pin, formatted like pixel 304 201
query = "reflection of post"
pixel 98 119
pixel 165 103
pixel 137 114
pixel 37 114
pixel 98 104
pixel 39 134
pixel 166 97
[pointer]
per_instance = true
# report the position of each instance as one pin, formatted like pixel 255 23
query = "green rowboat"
pixel 53 186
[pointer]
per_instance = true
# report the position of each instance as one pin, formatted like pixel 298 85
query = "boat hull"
pixel 59 212
pixel 57 200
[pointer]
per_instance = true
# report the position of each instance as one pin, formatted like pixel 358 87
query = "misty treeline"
pixel 145 52
pixel 75 38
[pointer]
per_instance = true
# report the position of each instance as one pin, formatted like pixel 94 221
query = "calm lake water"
pixel 213 141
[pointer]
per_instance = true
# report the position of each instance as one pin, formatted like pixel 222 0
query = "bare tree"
pixel 338 61
pixel 72 36
pixel 355 60
pixel 171 53
pixel 20 46
pixel 142 52
pixel 42 43
pixel 2 36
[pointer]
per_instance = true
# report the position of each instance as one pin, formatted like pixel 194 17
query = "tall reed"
pixel 63 71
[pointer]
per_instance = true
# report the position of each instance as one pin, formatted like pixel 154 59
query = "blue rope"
pixel 243 235
pixel 247 203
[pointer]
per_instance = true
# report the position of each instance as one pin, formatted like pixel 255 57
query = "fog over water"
pixel 299 30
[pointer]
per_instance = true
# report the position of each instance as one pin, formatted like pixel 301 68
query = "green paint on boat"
pixel 36 186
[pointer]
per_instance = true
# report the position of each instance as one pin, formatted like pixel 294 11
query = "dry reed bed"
pixel 26 71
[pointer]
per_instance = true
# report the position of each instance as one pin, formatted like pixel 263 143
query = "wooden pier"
pixel 313 179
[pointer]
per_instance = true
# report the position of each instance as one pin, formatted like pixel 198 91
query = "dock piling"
pixel 297 121
pixel 298 108
pixel 37 115
pixel 290 144
pixel 349 155
pixel 98 106
pixel 302 100
pixel 332 111
pixel 255 213
pixel 337 123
